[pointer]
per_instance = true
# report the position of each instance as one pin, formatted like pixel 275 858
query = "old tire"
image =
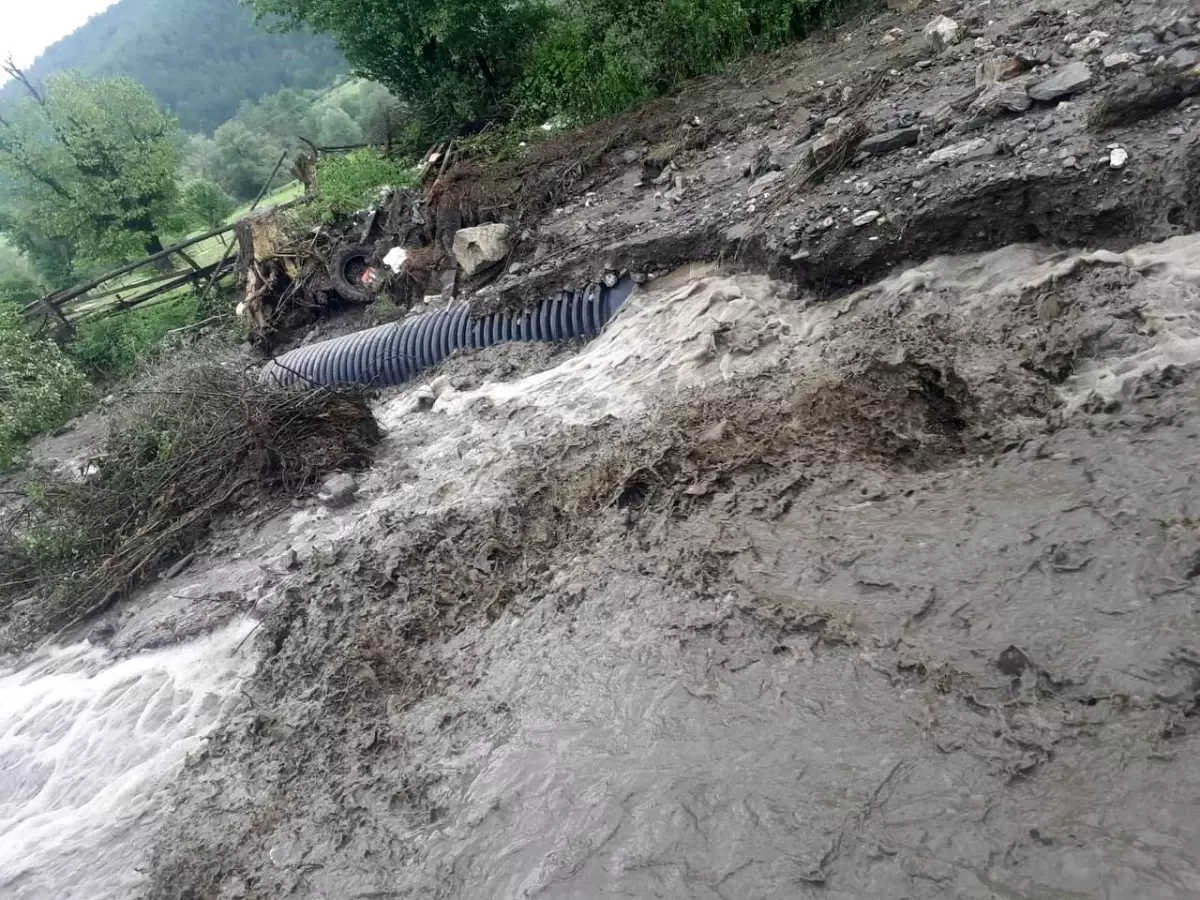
pixel 346 267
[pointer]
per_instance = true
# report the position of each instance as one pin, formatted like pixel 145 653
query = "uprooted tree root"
pixel 212 440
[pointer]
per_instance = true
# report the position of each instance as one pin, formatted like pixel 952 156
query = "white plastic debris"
pixel 395 259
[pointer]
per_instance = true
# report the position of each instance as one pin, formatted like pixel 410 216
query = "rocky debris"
pixel 760 164
pixel 1122 59
pixel 1143 43
pixel 888 141
pixel 1183 58
pixel 1000 99
pixel 338 490
pixel 1183 27
pixel 972 149
pixel 764 183
pixel 866 218
pixel 101 634
pixel 1118 158
pixel 1090 44
pixel 996 69
pixel 479 247
pixel 285 561
pixel 1067 81
pixel 942 32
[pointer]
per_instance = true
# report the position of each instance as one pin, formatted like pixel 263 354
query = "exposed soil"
pixel 864 564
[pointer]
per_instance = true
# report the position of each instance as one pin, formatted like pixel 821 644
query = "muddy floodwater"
pixel 892 596
pixel 87 745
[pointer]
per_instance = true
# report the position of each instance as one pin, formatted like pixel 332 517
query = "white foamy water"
pixel 86 744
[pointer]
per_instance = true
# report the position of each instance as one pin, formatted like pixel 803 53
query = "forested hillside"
pixel 200 58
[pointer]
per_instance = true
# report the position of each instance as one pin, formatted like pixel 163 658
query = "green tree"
pixel 91 161
pixel 206 204
pixel 18 284
pixel 452 60
pixel 243 158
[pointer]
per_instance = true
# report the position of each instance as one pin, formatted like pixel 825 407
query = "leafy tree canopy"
pixel 91 162
pixel 453 60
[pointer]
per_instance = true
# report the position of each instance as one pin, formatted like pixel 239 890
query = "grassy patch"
pixel 349 183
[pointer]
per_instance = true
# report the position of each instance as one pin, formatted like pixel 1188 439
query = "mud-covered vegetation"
pixel 202 443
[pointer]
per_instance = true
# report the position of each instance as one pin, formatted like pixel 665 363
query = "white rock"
pixel 942 32
pixel 479 247
pixel 1118 158
pixel 1120 60
pixel 964 150
pixel 1090 44
pixel 338 490
pixel 866 218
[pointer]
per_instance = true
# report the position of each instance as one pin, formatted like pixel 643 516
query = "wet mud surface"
pixel 753 596
pixel 847 569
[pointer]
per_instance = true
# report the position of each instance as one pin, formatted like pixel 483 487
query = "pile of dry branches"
pixel 185 455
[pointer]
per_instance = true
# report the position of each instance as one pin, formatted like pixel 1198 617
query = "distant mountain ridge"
pixel 199 58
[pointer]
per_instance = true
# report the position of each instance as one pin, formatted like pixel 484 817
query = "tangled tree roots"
pixel 186 455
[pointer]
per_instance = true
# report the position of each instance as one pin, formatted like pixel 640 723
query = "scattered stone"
pixel 971 149
pixel 285 561
pixel 922 64
pixel 1122 59
pixel 765 182
pixel 1144 43
pixel 1118 158
pixel 1184 27
pixel 942 32
pixel 1183 59
pixel 1066 81
pixel 1001 98
pixel 940 115
pixel 878 144
pixel 997 69
pixel 476 248
pixel 1176 132
pixel 906 5
pixel 1070 162
pixel 866 218
pixel 101 634
pixel 1090 44
pixel 759 164
pixel 339 490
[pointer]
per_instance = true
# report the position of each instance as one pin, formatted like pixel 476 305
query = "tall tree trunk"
pixel 154 245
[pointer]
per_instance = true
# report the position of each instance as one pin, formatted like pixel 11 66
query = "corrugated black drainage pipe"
pixel 393 354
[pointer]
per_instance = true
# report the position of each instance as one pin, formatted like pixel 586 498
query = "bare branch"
pixel 13 70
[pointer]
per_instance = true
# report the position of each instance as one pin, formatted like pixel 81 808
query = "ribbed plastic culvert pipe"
pixel 393 354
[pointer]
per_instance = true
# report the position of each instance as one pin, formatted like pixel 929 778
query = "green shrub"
pixel 349 183
pixel 604 56
pixel 40 388
pixel 114 347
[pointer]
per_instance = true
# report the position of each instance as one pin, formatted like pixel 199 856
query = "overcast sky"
pixel 27 27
